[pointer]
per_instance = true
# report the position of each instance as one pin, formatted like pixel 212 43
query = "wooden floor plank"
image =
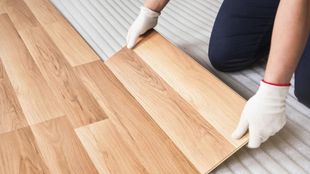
pixel 61 149
pixel 107 149
pixel 11 114
pixel 193 135
pixel 150 144
pixel 34 95
pixel 214 100
pixel 2 9
pixel 19 153
pixel 44 11
pixel 68 40
pixel 71 44
pixel 19 13
pixel 2 71
pixel 79 105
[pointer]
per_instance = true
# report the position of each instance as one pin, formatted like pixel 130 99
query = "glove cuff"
pixel 148 12
pixel 276 84
pixel 273 90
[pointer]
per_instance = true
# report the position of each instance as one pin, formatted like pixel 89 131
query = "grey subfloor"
pixel 188 23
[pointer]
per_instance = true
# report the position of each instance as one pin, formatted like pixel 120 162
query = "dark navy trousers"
pixel 242 35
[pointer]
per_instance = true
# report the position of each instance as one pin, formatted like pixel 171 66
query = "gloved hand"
pixel 146 20
pixel 263 114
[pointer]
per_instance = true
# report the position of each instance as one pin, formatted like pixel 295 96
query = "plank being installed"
pixel 215 101
pixel 203 139
pixel 193 135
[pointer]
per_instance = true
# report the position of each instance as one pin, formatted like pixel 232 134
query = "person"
pixel 244 31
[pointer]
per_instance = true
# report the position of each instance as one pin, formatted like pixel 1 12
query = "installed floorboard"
pixel 150 144
pixel 70 43
pixel 11 115
pixel 61 149
pixel 80 106
pixel 20 14
pixel 108 151
pixel 35 97
pixel 19 153
pixel 193 135
pixel 214 100
pixel 44 11
pixel 73 47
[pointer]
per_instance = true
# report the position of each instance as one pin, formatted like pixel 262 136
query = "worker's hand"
pixel 146 20
pixel 263 114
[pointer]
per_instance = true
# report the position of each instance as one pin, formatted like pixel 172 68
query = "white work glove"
pixel 264 114
pixel 146 20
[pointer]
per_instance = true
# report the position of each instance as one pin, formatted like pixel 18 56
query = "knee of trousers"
pixel 302 93
pixel 224 57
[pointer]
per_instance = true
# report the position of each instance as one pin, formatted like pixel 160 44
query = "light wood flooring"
pixel 150 110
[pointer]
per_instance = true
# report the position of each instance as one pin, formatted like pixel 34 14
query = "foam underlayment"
pixel 187 24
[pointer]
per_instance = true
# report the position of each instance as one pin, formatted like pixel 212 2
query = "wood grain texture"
pixel 79 105
pixel 151 145
pixel 19 13
pixel 71 44
pixel 214 100
pixel 2 7
pixel 19 153
pixel 61 149
pixel 193 135
pixel 11 115
pixel 107 149
pixel 33 93
pixel 2 71
pixel 44 11
pixel 157 111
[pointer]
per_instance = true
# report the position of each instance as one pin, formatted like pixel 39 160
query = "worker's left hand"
pixel 146 20
pixel 263 114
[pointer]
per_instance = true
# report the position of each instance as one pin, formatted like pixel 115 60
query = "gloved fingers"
pixel 132 39
pixel 255 139
pixel 241 128
pixel 128 36
pixel 254 142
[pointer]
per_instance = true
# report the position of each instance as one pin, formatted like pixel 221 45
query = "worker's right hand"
pixel 264 114
pixel 146 20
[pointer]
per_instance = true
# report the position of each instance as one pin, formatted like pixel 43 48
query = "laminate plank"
pixel 61 149
pixel 80 106
pixel 19 153
pixel 44 11
pixel 11 115
pixel 68 40
pixel 215 101
pixel 113 151
pixel 19 14
pixel 2 71
pixel 193 135
pixel 2 9
pixel 34 95
pixel 70 43
pixel 41 12
pixel 156 152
